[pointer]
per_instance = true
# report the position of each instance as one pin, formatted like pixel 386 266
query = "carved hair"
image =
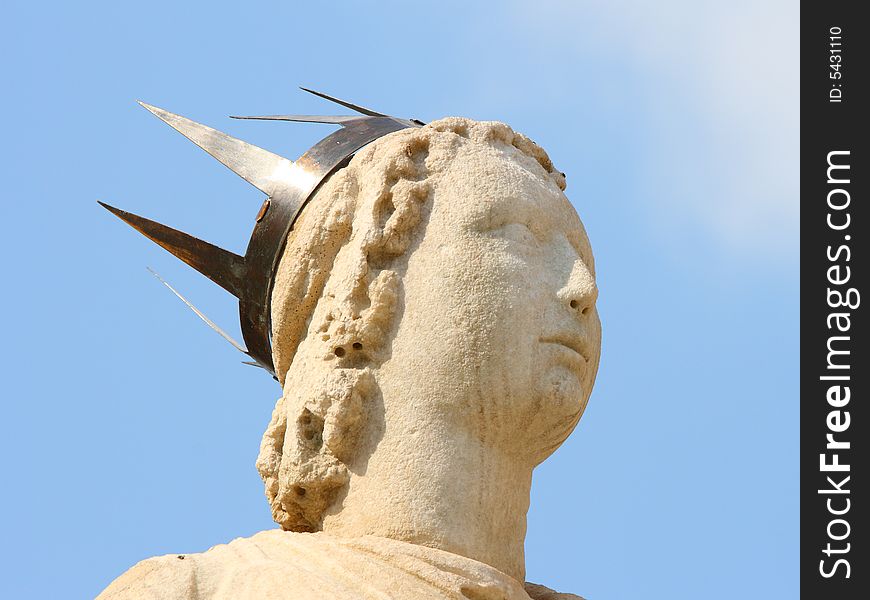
pixel 331 333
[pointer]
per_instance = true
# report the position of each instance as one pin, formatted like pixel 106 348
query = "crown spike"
pixel 332 120
pixel 199 313
pixel 264 170
pixel 360 109
pixel 221 266
pixel 254 362
pixel 288 185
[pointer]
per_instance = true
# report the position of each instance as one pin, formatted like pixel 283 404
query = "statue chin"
pixel 435 333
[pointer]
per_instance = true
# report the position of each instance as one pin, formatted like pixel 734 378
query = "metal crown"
pixel 287 184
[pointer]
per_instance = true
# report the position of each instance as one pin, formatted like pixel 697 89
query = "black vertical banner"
pixel 835 367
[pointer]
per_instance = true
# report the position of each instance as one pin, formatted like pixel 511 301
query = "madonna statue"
pixel 435 334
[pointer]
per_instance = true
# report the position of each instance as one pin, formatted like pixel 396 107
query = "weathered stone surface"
pixel 436 337
pixel 316 566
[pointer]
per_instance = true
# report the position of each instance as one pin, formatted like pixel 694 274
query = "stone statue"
pixel 435 334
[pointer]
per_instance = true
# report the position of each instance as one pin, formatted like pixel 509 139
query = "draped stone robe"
pixel 275 564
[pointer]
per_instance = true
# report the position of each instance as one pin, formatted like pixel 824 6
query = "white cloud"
pixel 724 106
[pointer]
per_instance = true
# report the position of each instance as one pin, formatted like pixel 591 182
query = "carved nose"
pixel 580 292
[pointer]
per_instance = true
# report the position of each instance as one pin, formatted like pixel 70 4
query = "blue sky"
pixel 131 430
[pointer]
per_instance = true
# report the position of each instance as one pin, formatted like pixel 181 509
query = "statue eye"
pixel 518 232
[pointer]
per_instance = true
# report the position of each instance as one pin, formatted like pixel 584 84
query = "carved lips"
pixel 576 344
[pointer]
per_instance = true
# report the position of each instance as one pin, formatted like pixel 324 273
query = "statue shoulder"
pixel 235 570
pixel 540 592
pixel 159 578
pixel 313 566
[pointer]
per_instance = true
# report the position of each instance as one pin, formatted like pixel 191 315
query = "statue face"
pixel 499 330
pixel 442 291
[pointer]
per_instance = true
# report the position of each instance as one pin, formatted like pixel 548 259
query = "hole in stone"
pixel 339 352
pixel 585 311
pixel 326 337
pixel 357 346
pixel 573 304
pixel 310 428
pixel 300 491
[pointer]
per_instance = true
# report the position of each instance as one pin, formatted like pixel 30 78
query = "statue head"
pixel 440 287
